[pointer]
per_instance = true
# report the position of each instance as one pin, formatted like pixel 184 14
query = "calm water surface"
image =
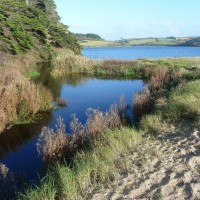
pixel 136 52
pixel 18 145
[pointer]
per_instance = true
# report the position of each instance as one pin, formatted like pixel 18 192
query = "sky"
pixel 117 19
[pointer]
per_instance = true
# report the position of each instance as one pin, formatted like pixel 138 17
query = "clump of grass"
pixel 52 145
pixel 61 102
pixel 183 103
pixel 47 190
pixel 67 62
pixel 143 103
pixel 157 71
pixel 20 98
pixel 181 106
pixel 58 145
pixel 3 170
pixel 158 78
pixel 33 74
pixel 154 124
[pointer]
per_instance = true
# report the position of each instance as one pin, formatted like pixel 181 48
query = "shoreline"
pixel 128 46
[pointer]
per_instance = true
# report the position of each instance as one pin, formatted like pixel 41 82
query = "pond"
pixel 18 145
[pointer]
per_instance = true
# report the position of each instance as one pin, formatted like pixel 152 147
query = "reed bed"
pixel 20 98
pixel 61 146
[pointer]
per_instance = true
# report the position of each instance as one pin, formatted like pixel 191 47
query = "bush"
pixel 20 98
pixel 58 145
pixel 154 124
pixel 183 103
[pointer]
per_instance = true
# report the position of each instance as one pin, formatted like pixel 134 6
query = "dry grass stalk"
pixel 143 103
pixel 61 102
pixel 59 145
pixel 158 78
pixel 20 98
pixel 52 144
pixel 3 170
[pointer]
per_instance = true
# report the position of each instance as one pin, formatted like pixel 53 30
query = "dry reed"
pixel 20 98
pixel 143 103
pixel 59 145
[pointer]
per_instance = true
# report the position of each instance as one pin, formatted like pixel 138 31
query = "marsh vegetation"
pixel 93 155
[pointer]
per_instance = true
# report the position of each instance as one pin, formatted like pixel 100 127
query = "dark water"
pixel 130 53
pixel 18 145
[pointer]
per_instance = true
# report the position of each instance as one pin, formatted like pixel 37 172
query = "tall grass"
pixel 184 103
pixel 154 70
pixel 90 169
pixel 67 62
pixel 20 98
pixel 143 103
pixel 59 145
pixel 182 106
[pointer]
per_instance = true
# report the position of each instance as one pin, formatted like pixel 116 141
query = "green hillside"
pixel 33 26
pixel 87 36
pixel 192 42
pixel 168 41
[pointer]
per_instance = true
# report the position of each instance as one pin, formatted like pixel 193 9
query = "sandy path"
pixel 171 172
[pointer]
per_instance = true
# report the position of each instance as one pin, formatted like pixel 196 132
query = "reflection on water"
pixel 13 138
pixel 55 84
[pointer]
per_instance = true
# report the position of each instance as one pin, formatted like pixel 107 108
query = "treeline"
pixel 87 36
pixel 33 25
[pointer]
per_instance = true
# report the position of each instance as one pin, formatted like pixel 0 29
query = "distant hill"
pixel 168 41
pixel 33 26
pixel 192 42
pixel 87 36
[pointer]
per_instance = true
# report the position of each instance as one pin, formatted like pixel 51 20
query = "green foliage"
pixel 192 42
pixel 33 74
pixel 33 27
pixel 87 36
pixel 183 103
pixel 90 169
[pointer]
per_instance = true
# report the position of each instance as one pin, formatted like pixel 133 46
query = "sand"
pixel 170 170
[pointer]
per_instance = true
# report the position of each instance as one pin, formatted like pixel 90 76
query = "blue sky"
pixel 115 19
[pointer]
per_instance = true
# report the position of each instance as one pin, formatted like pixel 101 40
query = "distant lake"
pixel 130 53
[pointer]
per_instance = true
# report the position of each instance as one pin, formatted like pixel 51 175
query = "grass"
pixel 90 169
pixel 66 62
pixel 32 74
pixel 134 42
pixel 182 106
pixel 184 103
pixel 21 99
pixel 59 145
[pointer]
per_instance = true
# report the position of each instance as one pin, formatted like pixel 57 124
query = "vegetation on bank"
pixel 94 155
pixel 21 99
pixel 67 62
pixel 87 36
pixel 169 41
